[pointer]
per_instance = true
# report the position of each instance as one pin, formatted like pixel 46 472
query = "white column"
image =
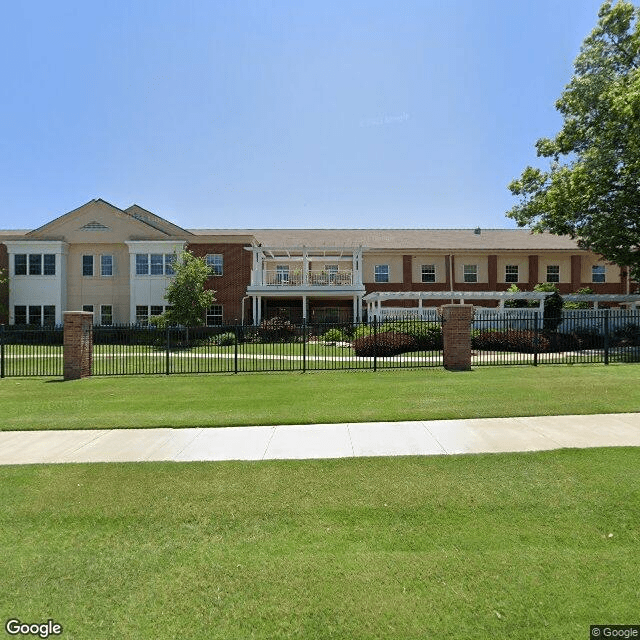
pixel 305 267
pixel 259 310
pixel 304 308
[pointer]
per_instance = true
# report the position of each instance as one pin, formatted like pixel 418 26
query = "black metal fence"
pixel 276 345
pixel 577 336
pixel 30 351
pixel 520 337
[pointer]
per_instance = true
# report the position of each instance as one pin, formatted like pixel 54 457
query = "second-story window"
pixel 598 273
pixel 35 264
pixel 511 273
pixel 49 268
pixel 106 265
pixel 215 264
pixel 282 274
pixel 20 266
pixel 142 264
pixel 87 265
pixel 553 273
pixel 428 273
pixel 381 273
pixel 470 272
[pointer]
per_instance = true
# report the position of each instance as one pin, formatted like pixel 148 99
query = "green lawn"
pixel 319 397
pixel 534 546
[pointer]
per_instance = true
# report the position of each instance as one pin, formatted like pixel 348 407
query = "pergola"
pixel 375 299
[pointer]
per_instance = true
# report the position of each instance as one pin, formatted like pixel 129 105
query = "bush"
pixel 510 340
pixel 226 339
pixel 384 344
pixel 334 335
pixel 277 329
pixel 428 335
pixel 362 331
pixel 627 336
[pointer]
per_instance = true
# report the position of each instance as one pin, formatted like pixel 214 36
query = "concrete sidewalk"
pixel 426 437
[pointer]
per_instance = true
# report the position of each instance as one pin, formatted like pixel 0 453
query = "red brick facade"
pixel 231 286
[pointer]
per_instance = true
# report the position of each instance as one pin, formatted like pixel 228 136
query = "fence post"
pixel 167 370
pixel 235 349
pixel 536 338
pixel 606 336
pixel 2 351
pixel 456 336
pixel 304 345
pixel 77 344
pixel 375 343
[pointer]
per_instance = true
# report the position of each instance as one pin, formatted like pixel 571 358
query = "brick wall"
pixel 232 285
pixel 4 289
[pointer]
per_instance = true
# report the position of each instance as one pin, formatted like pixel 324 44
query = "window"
pixel 157 264
pixel 142 264
pixel 35 314
pixel 381 273
pixel 87 307
pixel 553 273
pixel 106 265
pixel 35 264
pixel 48 314
pixel 49 264
pixel 106 314
pixel 156 310
pixel 511 273
pixel 428 273
pixel 470 272
pixel 142 314
pixel 87 265
pixel 332 272
pixel 214 262
pixel 169 259
pixel 598 273
pixel 214 315
pixel 20 313
pixel 20 265
pixel 282 274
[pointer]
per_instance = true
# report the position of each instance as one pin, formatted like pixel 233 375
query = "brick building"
pixel 116 263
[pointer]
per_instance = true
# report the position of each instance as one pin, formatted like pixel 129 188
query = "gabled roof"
pixel 158 223
pixel 407 239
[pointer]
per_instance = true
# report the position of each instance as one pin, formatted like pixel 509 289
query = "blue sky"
pixel 235 113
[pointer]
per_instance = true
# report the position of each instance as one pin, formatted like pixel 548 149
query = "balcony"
pixel 295 278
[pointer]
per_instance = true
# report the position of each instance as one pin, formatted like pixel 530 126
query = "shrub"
pixel 627 336
pixel 428 335
pixel 277 329
pixel 334 335
pixel 362 331
pixel 224 339
pixel 384 344
pixel 510 340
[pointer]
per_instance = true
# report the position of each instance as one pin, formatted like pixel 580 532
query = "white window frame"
pixel 381 273
pixel 598 273
pixel 553 276
pixel 282 274
pixel 511 271
pixel 214 312
pixel 106 265
pixel 215 262
pixel 106 312
pixel 24 266
pixel 470 273
pixel 428 273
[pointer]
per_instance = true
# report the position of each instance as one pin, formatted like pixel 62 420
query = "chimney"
pixel 477 231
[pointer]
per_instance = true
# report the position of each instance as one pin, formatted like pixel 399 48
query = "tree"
pixel 3 291
pixel 186 294
pixel 591 190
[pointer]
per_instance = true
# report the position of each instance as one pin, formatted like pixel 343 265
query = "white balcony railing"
pixel 291 278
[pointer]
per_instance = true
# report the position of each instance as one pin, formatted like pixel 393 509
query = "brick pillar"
pixel 576 271
pixel 533 271
pixel 492 267
pixel 406 273
pixel 456 336
pixel 78 344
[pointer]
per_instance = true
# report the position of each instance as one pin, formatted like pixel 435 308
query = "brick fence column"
pixel 456 336
pixel 78 344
